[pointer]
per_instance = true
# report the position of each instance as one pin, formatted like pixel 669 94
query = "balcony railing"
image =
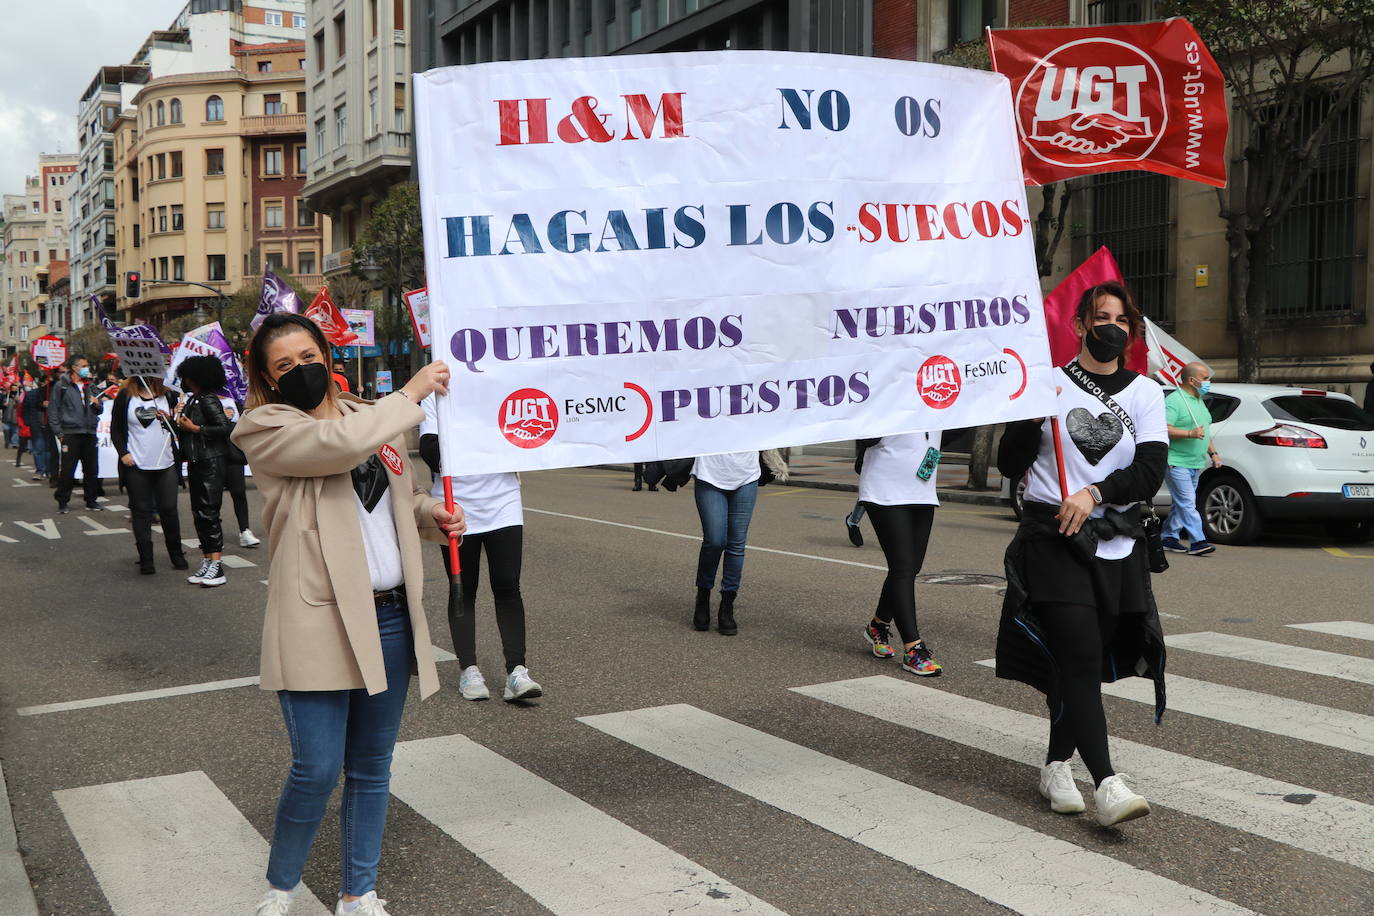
pixel 305 281
pixel 261 125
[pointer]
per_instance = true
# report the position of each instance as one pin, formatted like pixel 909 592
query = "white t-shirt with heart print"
pixel 1096 443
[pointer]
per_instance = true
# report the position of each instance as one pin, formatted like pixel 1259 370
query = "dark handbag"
pixel 1154 540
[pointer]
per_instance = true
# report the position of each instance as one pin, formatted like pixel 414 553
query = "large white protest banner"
pixel 659 256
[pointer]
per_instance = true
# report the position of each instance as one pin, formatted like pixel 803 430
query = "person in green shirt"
pixel 1190 451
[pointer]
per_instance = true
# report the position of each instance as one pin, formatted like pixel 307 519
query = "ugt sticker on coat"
pixel 670 255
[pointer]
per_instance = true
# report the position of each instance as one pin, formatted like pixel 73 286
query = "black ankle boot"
pixel 145 559
pixel 725 620
pixel 701 617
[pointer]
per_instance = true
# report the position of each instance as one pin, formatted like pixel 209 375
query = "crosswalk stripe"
pixel 172 844
pixel 1283 812
pixel 994 858
pixel 1277 655
pixel 1348 731
pixel 566 854
pixel 1350 628
pixel 235 562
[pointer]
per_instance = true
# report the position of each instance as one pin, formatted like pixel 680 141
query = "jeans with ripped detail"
pixel 332 730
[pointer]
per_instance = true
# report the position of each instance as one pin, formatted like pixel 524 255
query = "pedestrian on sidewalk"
pixel 1190 451
pixel 495 520
pixel 897 487
pixel 345 627
pixel 149 465
pixel 74 409
pixel 205 446
pixel 1079 609
pixel 234 477
pixel 726 490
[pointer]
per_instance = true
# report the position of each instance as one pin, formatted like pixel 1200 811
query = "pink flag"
pixel 1061 304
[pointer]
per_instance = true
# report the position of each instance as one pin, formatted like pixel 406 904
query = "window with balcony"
pixel 300 102
pixel 214 162
pixel 305 217
pixel 214 216
pixel 162 268
pixel 214 267
pixel 272 214
pixel 271 104
pixel 305 262
pixel 175 111
pixel 177 221
pixel 271 161
pixel 214 108
pixel 175 163
pixel 178 267
pixel 276 261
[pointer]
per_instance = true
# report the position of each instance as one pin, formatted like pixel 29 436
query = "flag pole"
pixel 453 564
pixel 1059 458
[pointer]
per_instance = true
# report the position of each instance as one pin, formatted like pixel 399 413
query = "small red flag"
pixel 1112 98
pixel 1062 303
pixel 326 314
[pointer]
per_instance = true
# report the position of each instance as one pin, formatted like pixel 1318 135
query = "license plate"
pixel 1358 491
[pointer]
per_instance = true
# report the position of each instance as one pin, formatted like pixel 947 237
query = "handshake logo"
pixel 1091 99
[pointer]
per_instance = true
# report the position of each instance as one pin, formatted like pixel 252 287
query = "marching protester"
pixel 897 486
pixel 205 446
pixel 234 477
pixel 1190 450
pixel 33 431
pixel 495 521
pixel 9 414
pixel 1079 608
pixel 150 465
pixel 639 479
pixel 345 627
pixel 726 489
pixel 73 415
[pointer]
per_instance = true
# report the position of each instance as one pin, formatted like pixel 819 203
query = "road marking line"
pixel 47 528
pixel 1277 655
pixel 992 857
pixel 1346 555
pixel 1349 628
pixel 97 529
pixel 235 562
pixel 1348 731
pixel 171 844
pixel 1286 813
pixel 7 540
pixel 192 543
pixel 563 852
pixel 697 537
pixel 16 482
pixel 162 693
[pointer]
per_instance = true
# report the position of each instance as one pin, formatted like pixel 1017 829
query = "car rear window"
pixel 1336 413
pixel 1220 406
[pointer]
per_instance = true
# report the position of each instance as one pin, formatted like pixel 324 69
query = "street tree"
pixel 1294 68
pixel 393 240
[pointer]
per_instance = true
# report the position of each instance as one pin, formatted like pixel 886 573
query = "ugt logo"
pixel 938 382
pixel 528 418
pixel 1090 101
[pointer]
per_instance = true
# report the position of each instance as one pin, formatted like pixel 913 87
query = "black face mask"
pixel 305 385
pixel 1105 342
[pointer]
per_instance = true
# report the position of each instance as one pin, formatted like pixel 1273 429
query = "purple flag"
pixel 277 296
pixel 235 382
pixel 100 310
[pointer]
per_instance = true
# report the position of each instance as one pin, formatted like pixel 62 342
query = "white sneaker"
pixel 472 685
pixel 274 903
pixel 519 685
pixel 248 539
pixel 196 577
pixel 369 904
pixel 1117 803
pixel 1057 785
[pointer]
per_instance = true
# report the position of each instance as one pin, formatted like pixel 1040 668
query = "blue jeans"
pixel 11 434
pixel 38 447
pixel 725 518
pixel 1183 517
pixel 334 729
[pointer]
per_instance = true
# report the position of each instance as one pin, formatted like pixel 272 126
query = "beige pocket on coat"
pixel 314 575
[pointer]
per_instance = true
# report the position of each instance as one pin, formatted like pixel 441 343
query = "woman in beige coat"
pixel 345 627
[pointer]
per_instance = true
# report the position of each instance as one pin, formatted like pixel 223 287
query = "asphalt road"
pixel 923 801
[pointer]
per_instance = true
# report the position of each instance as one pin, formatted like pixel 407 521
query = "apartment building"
pixel 35 234
pixel 358 63
pixel 208 186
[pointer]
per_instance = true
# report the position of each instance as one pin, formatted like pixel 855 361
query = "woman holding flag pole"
pixel 1079 609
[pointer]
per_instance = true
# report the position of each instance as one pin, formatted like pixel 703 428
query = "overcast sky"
pixel 49 52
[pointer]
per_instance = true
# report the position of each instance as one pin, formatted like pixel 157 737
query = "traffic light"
pixel 133 284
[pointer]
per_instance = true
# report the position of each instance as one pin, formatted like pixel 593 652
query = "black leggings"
pixel 1075 637
pixel 154 492
pixel 234 483
pixel 903 533
pixel 504 547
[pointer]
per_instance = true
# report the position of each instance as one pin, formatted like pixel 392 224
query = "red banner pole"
pixel 452 538
pixel 1058 459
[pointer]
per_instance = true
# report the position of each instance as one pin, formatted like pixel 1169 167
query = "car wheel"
pixel 1351 530
pixel 1018 497
pixel 1229 512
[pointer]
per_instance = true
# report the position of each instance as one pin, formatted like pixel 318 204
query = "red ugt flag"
pixel 1062 303
pixel 326 314
pixel 1112 98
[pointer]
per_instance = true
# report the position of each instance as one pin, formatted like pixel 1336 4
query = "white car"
pixel 1287 454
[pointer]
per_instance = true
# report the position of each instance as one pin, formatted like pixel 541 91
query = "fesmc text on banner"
pixel 659 256
pixel 1108 98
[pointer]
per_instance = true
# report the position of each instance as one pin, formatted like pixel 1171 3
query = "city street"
pixel 666 770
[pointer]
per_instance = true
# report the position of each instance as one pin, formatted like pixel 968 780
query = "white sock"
pixel 349 906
